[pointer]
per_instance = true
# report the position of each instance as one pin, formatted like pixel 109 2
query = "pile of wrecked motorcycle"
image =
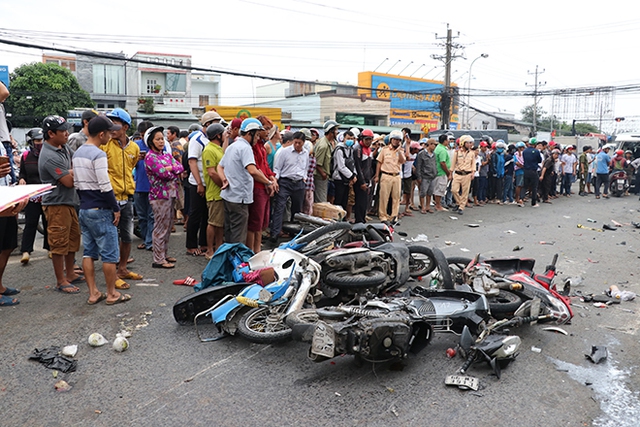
pixel 350 290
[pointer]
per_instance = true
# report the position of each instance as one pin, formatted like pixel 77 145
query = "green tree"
pixel 527 114
pixel 38 90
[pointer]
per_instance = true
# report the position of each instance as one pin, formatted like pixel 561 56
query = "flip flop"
pixel 141 246
pixel 6 301
pixel 121 284
pixel 171 259
pixel 79 279
pixel 131 276
pixel 195 252
pixel 63 289
pixel 130 260
pixel 10 291
pixel 187 281
pixel 165 265
pixel 102 297
pixel 122 298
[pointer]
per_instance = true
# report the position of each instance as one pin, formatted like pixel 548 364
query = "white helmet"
pixel 396 134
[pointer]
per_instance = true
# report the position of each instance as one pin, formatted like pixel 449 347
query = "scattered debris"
pixel 449 242
pixel 616 223
pixel 453 217
pixel 394 412
pixel 473 225
pixel 556 329
pixel 451 353
pixel 337 394
pixel 96 340
pixel 464 249
pixel 517 248
pixel 590 228
pixel 510 232
pixel 592 261
pixel 536 349
pixel 591 220
pixel 598 354
pixel 52 359
pixel 69 350
pixel 608 227
pixel 420 238
pixel 547 243
pixel 147 284
pixel 615 292
pixel 600 305
pixel 62 385
pixel 566 216
pixel 463 382
pixel 120 344
pixel 635 224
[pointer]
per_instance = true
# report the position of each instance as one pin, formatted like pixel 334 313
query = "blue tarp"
pixel 220 268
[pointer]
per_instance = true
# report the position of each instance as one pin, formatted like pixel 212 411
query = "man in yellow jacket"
pixel 122 156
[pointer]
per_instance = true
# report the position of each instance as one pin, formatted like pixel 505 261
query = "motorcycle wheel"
pixel 264 325
pixel 319 239
pixel 503 304
pixel 345 279
pixel 421 261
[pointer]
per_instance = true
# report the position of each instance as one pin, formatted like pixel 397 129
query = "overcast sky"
pixel 328 40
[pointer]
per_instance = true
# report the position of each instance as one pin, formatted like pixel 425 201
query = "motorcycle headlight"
pixel 510 346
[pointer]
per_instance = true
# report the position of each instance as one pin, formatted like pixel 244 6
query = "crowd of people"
pixel 239 182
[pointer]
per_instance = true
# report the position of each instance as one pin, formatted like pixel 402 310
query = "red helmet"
pixel 619 152
pixel 367 133
pixel 493 145
pixel 483 144
pixel 552 144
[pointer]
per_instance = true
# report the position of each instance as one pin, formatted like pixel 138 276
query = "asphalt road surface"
pixel 168 378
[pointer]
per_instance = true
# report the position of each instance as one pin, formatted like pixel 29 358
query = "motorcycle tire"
pixel 254 326
pixel 421 261
pixel 344 279
pixel 321 238
pixel 503 304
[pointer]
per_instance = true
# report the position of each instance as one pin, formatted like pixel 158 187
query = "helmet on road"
pixel 328 125
pixel 250 124
pixel 120 114
pixel 214 130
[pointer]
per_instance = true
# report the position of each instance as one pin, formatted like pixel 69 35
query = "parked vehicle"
pixel 618 183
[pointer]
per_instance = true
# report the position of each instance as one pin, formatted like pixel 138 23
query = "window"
pixel 108 79
pixel 151 85
pixel 176 82
pixel 203 100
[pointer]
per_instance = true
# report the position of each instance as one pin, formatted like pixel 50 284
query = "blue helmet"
pixel 520 144
pixel 250 124
pixel 120 114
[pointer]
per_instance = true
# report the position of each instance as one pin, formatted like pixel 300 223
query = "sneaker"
pixel 535 206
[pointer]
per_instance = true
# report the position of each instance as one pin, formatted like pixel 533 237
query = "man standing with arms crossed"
pixel 122 156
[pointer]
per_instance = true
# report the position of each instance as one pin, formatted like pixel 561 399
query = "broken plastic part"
pixel 598 354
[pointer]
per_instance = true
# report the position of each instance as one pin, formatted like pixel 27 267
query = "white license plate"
pixel 462 382
pixel 621 181
pixel 323 342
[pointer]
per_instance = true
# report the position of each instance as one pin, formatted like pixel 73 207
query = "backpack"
pixel 348 162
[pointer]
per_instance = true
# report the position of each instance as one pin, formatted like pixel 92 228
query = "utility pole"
pixel 447 94
pixel 535 96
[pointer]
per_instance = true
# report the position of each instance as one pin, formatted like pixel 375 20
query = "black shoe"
pixel 608 227
pixel 459 212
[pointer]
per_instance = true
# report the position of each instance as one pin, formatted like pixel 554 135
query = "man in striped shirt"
pixel 99 211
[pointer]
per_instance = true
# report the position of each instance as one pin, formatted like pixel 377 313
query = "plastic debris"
pixel 517 248
pixel 608 227
pixel 473 225
pixel 96 340
pixel 616 223
pixel 464 249
pixel 542 242
pixel 52 359
pixel 337 394
pixel 600 305
pixel 451 353
pixel 592 261
pixel 69 350
pixel 566 216
pixel 449 242
pixel 555 329
pixel 120 344
pixel 510 232
pixel 598 354
pixel 62 385
pixel 615 292
pixel 591 220
pixel 420 238
pixel 536 349
pixel 590 228
pixel 453 217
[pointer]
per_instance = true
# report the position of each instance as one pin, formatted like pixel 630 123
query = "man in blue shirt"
pixel 532 159
pixel 602 171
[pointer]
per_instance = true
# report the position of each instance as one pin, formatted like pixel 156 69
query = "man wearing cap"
pixel 99 211
pixel 77 139
pixel 198 212
pixel 531 158
pixel 324 152
pixel 122 157
pixel 59 206
pixel 583 162
pixel 464 166
pixel 390 160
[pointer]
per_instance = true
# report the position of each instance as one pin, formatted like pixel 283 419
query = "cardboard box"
pixel 326 210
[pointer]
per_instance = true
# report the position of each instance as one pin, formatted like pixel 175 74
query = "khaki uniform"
pixel 464 165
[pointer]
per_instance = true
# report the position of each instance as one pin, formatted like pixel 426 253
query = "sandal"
pixel 130 260
pixel 187 281
pixel 121 298
pixel 141 246
pixel 7 301
pixel 68 289
pixel 164 265
pixel 195 252
pixel 10 291
pixel 121 284
pixel 131 276
pixel 79 279
pixel 408 213
pixel 171 259
pixel 102 297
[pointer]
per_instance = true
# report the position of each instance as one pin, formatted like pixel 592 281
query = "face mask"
pixel 451 144
pixel 500 150
pixel 349 142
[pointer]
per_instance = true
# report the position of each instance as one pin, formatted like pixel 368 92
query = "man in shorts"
pixel 59 206
pixel 443 163
pixel 99 211
pixel 211 156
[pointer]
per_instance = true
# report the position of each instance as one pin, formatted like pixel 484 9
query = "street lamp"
pixel 484 55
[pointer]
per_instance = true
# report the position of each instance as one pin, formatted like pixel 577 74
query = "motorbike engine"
pixel 376 339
